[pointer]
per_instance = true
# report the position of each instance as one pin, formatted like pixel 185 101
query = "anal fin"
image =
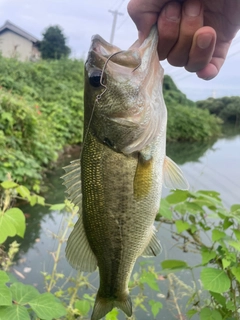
pixel 154 246
pixel 172 176
pixel 78 251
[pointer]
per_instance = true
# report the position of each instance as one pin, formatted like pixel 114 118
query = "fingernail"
pixel 172 11
pixel 193 8
pixel 204 40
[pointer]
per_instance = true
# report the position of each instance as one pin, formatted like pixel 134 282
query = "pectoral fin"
pixel 172 176
pixel 78 251
pixel 143 178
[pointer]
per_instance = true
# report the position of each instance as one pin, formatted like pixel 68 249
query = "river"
pixel 210 166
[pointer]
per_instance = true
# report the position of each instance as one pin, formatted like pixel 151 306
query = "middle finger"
pixel 192 20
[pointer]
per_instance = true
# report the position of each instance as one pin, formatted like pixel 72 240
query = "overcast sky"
pixel 81 19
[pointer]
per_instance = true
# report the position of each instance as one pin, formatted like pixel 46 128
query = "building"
pixel 17 43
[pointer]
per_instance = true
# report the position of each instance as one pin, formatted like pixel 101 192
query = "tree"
pixel 226 108
pixel 53 45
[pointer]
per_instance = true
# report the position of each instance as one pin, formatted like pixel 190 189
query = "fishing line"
pixel 98 97
pixel 103 69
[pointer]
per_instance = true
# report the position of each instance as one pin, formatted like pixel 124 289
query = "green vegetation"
pixel 25 146
pixel 53 45
pixel 41 112
pixel 186 122
pixel 226 108
pixel 172 95
pixel 200 224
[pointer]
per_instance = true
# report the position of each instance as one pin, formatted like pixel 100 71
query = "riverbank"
pixel 41 112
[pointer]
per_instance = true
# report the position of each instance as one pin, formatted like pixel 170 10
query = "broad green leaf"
pixel 181 208
pixel 4 278
pixel 235 207
pixel 208 314
pixel 18 219
pixel 215 280
pixel 219 298
pixel 193 228
pixel 22 293
pixel 201 201
pixel 227 223
pixel 112 315
pixel 41 201
pixel 234 244
pixel 15 312
pixel 150 279
pixel 47 306
pixel 12 222
pixel 9 184
pixel 230 306
pixel 207 255
pixel 225 263
pixel 193 207
pixel 182 226
pixel 58 207
pixel 212 199
pixel 24 192
pixel 217 235
pixel 33 200
pixel 174 264
pixel 165 210
pixel 83 306
pixel 236 272
pixel 12 278
pixel 237 233
pixel 5 296
pixel 7 228
pixel 235 215
pixel 210 193
pixel 191 313
pixel 177 196
pixel 155 307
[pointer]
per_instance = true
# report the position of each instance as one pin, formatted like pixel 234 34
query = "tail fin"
pixel 104 305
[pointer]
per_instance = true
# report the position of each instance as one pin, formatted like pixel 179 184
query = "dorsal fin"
pixel 78 251
pixel 72 181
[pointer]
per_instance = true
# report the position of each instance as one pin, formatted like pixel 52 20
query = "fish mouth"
pixel 137 57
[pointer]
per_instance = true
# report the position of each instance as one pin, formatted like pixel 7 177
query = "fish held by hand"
pixel 117 181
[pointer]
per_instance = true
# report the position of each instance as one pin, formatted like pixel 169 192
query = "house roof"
pixel 10 26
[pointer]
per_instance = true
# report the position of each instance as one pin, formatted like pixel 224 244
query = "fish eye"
pixel 95 78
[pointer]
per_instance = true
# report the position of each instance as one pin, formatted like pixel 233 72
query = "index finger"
pixel 145 14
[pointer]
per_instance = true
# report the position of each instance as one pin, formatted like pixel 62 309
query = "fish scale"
pixel 123 168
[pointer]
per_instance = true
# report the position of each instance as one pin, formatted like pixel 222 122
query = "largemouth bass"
pixel 123 167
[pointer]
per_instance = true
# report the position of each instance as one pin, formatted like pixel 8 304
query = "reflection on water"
pixel 230 131
pixel 208 165
pixel 182 152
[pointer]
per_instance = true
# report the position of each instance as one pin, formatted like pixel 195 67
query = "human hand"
pixel 195 34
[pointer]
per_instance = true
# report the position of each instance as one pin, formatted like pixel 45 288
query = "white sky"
pixel 81 19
